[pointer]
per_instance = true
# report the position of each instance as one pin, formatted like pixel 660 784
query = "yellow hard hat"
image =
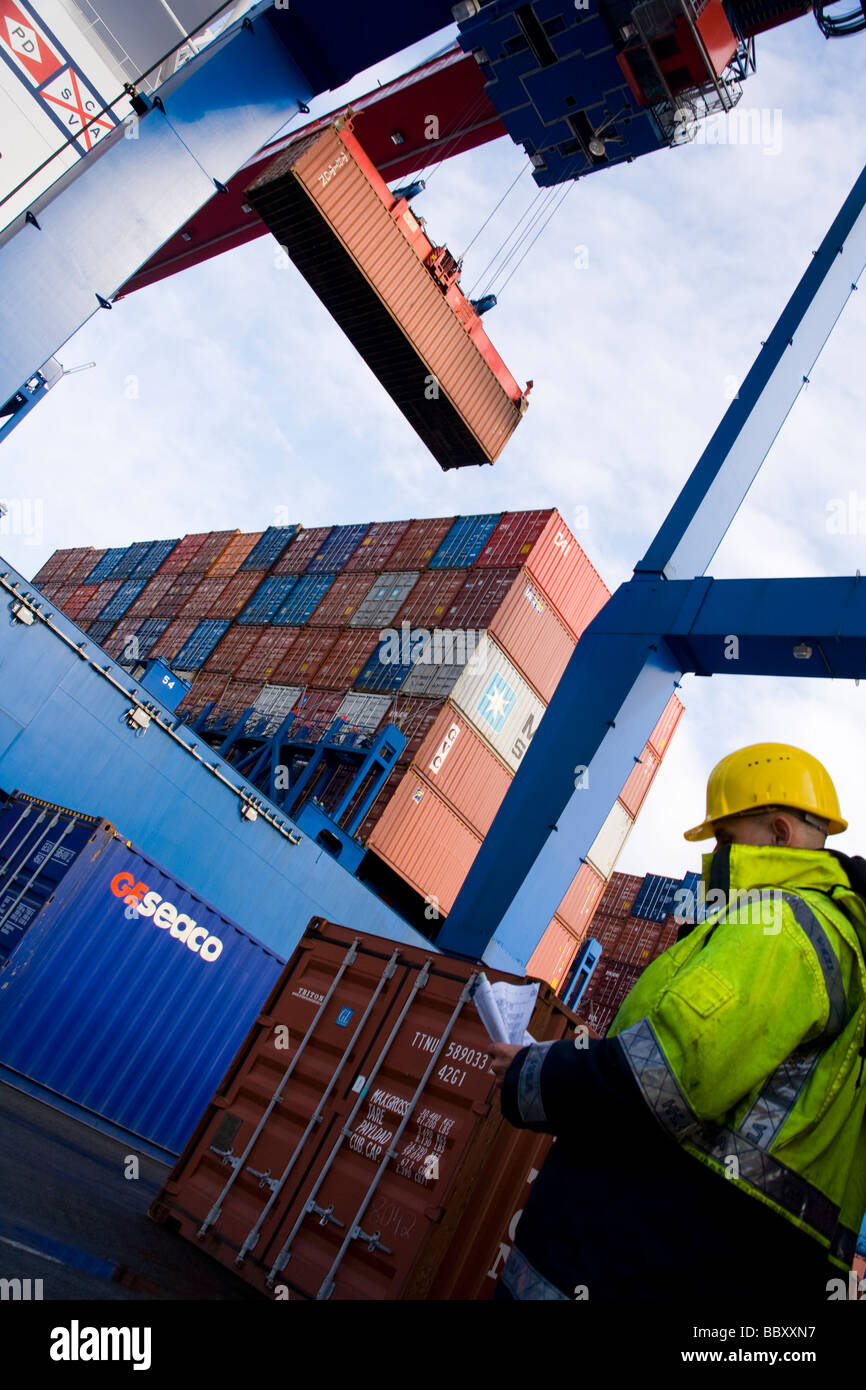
pixel 769 774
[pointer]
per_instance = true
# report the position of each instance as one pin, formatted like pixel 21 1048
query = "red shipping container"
pixel 429 599
pixel 169 644
pixel 178 559
pixel 666 727
pixel 234 648
pixel 348 656
pixel 99 594
pixel 419 544
pixel 300 551
pixel 240 695
pixel 620 894
pixel 48 571
pixel 206 689
pixel 513 538
pixel 425 842
pixel 234 554
pixel 61 594
pixel 77 599
pixel 238 591
pixel 268 654
pixel 154 590
pixel 375 550
pixel 212 548
pixel 173 600
pixel 318 707
pixel 609 984
pixel 87 561
pixel 203 596
pixel 530 632
pixel 415 716
pixel 558 564
pixel 578 907
pixel 462 770
pixel 482 595
pixel 341 600
pixel 307 655
pixel 412 1145
pixel 554 953
pixel 639 781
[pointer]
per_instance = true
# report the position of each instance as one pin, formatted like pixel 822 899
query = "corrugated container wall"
pixel 463 770
pixel 425 842
pixel 129 1009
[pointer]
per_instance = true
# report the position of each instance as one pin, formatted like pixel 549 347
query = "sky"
pixel 227 397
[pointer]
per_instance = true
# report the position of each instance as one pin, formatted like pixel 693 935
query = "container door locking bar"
pixel 356 1232
pixel 277 1186
pixel 215 1212
pixel 283 1256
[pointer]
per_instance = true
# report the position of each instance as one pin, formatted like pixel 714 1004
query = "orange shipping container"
pixel 231 559
pixel 425 842
pixel 233 599
pixel 579 905
pixel 408 1186
pixel 639 781
pixel 394 294
pixel 529 631
pixel 666 727
pixel 572 584
pixel 553 954
pixel 463 770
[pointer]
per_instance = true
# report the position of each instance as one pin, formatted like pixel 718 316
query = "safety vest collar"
pixel 747 867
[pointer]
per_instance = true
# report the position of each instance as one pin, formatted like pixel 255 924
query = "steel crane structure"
pixel 633 84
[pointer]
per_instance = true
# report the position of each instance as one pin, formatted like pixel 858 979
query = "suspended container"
pixel 363 1092
pixel 122 992
pixel 393 293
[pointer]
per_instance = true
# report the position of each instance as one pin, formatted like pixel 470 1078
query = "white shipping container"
pixel 608 843
pixel 498 703
pixel 367 711
pixel 384 599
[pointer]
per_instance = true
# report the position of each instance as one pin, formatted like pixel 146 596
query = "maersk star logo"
pixel 496 703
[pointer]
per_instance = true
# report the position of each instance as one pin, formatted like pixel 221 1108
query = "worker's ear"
pixel 781 830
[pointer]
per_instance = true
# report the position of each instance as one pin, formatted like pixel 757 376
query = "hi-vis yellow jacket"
pixel 747 1038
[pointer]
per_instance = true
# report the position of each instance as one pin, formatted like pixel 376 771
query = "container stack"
pixel 454 629
pixel 636 920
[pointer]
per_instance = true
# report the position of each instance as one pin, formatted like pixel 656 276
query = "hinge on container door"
pixel 325 1214
pixel 373 1241
pixel 265 1179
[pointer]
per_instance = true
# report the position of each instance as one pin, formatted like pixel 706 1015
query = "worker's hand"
pixel 502 1055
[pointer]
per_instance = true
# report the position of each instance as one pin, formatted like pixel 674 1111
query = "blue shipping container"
pixel 382 673
pixel 465 541
pixel 126 993
pixel 307 593
pixel 339 546
pixel 199 645
pixel 268 598
pixel 104 568
pixel 123 599
pixel 655 898
pixel 157 553
pixel 268 550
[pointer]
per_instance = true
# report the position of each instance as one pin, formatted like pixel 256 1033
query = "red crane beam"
pixel 439 108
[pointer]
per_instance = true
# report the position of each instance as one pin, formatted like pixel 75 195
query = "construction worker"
pixel 713 1143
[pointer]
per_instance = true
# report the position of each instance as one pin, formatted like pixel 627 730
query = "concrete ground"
pixel 71 1217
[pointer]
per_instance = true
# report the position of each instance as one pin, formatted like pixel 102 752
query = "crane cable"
pixel 538 233
pixel 531 205
pixel 521 171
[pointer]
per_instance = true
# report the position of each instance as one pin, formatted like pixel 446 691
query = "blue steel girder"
pixel 632 655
